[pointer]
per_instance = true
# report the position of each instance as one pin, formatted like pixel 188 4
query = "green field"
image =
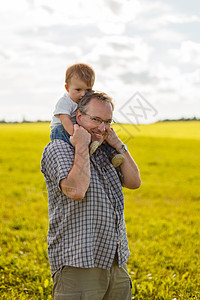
pixel 162 216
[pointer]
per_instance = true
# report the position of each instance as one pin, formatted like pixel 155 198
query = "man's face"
pixel 100 110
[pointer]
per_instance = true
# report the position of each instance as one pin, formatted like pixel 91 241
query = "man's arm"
pixel 129 169
pixel 77 182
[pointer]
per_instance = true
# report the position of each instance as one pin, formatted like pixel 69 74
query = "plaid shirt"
pixel 85 233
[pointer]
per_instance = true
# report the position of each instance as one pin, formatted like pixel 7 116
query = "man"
pixel 87 242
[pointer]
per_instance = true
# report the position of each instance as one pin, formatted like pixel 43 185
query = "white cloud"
pixel 111 15
pixel 167 36
pixel 110 27
pixel 13 6
pixel 123 10
pixel 130 44
pixel 189 52
pixel 120 49
pixel 157 14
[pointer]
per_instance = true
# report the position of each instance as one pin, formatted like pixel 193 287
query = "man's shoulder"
pixel 58 157
pixel 58 146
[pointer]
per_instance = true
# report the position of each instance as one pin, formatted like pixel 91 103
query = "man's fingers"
pixel 76 126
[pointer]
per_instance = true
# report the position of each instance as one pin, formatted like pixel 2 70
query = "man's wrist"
pixel 119 146
pixel 122 149
pixel 82 149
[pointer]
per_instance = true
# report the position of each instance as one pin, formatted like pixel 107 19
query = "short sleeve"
pixel 65 106
pixel 57 161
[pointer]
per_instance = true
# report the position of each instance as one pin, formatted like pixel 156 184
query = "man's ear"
pixel 66 87
pixel 78 116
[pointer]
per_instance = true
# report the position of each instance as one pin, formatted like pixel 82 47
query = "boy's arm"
pixel 67 123
pixel 129 169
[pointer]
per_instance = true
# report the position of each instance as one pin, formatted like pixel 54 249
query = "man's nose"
pixel 102 126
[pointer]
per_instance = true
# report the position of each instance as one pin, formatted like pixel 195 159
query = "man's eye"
pixel 78 90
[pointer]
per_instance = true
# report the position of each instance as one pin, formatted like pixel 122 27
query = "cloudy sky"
pixel 146 55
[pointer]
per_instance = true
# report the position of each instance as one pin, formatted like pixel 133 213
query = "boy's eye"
pixel 78 90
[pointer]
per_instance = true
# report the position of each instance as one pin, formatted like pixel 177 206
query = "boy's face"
pixel 77 89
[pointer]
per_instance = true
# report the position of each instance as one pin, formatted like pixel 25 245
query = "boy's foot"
pixel 93 147
pixel 117 160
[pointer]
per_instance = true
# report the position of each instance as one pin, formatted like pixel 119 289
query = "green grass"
pixel 162 217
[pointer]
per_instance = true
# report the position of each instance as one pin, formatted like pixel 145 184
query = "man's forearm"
pixel 77 182
pixel 129 169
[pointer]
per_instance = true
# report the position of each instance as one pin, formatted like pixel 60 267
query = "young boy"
pixel 79 79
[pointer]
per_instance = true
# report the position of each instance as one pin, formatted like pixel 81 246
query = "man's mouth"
pixel 98 136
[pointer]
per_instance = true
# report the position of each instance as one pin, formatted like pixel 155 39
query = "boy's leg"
pixel 60 133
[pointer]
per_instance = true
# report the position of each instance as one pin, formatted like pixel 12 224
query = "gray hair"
pixel 82 105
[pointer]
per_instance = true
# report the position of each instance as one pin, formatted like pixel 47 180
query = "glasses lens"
pixel 98 121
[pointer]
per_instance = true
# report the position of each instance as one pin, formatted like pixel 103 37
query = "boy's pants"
pixel 60 133
pixel 92 284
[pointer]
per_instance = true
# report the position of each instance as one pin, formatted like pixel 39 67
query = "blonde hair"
pixel 83 71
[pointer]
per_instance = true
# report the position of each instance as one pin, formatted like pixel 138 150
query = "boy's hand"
pixel 81 137
pixel 113 140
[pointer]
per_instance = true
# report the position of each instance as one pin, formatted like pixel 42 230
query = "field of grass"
pixel 162 217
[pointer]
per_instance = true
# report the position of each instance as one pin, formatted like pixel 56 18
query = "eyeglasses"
pixel 98 121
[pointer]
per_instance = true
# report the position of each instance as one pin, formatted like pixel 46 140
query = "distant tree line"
pixel 23 121
pixel 47 121
pixel 181 119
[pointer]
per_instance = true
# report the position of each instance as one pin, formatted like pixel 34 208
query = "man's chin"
pixel 100 140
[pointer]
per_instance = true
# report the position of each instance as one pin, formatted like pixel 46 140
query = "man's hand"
pixel 81 136
pixel 113 140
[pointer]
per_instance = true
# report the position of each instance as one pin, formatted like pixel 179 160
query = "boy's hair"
pixel 83 71
pixel 82 104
